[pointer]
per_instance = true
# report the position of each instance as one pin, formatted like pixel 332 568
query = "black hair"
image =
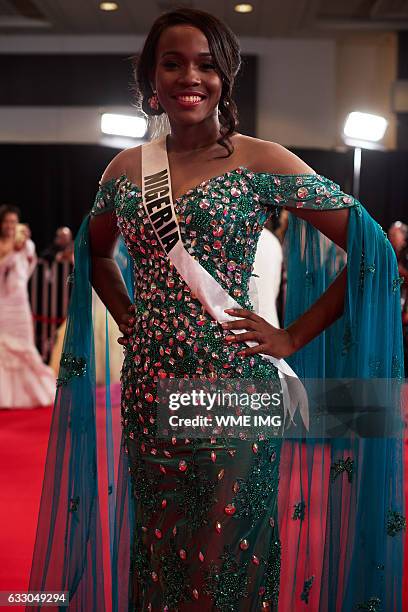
pixel 225 52
pixel 6 209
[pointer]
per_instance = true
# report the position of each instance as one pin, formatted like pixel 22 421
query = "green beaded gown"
pixel 205 512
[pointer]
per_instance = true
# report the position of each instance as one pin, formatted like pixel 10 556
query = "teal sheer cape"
pixel 346 552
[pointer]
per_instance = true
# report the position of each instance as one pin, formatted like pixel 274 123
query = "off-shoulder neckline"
pixel 212 179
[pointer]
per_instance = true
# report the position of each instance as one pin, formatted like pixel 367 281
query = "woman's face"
pixel 9 225
pixel 187 84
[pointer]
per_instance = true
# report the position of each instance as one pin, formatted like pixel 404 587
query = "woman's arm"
pixel 323 313
pixel 282 343
pixel 103 232
pixel 106 277
pixel 31 254
pixel 330 306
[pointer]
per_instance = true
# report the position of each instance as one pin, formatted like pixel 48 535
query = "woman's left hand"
pixel 271 340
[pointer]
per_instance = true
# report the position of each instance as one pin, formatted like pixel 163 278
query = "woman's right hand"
pixel 126 325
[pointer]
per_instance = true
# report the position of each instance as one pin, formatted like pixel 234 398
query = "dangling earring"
pixel 154 101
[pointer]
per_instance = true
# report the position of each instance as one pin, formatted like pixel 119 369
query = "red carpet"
pixel 23 445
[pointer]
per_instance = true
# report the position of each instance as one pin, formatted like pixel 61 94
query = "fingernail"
pixel 229 338
pixel 241 353
pixel 224 325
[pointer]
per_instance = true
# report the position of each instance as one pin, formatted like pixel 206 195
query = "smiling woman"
pixel 192 59
pixel 216 522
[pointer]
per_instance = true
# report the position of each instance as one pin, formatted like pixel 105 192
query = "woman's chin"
pixel 189 118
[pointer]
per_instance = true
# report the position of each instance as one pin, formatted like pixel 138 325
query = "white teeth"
pixel 189 98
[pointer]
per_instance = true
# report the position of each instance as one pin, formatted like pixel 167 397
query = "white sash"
pixel 158 204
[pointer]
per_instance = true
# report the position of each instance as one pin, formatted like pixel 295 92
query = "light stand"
pixel 362 131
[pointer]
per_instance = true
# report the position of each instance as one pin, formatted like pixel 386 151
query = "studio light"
pixel 243 8
pixel 123 125
pixel 108 6
pixel 362 131
pixel 364 126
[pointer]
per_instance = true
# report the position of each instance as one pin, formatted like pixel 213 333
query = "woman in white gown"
pixel 267 276
pixel 25 381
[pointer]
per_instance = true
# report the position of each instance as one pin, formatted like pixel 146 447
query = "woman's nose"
pixel 190 76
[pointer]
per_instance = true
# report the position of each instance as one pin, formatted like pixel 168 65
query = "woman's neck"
pixel 191 138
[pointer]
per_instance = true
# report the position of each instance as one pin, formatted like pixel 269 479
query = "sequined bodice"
pixel 220 222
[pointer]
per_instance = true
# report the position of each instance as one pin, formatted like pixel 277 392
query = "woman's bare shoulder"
pixel 126 163
pixel 271 157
